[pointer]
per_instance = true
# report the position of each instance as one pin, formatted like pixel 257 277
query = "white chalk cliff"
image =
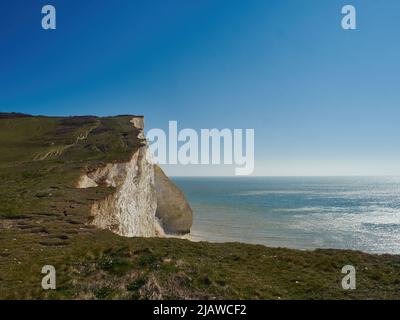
pixel 131 210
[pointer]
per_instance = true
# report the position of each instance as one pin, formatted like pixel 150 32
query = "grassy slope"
pixel 43 221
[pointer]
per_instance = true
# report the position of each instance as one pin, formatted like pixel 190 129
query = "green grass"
pixel 43 220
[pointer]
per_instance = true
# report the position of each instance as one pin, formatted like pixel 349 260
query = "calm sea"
pixel 361 213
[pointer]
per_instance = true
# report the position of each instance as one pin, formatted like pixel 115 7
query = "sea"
pixel 358 213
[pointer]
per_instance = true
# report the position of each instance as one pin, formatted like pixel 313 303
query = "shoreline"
pixel 206 238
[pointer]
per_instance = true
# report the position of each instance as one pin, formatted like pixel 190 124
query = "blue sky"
pixel 322 100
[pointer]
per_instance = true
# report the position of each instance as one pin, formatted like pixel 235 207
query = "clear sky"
pixel 322 100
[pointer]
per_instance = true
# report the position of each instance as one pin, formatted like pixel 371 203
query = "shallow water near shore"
pixel 358 213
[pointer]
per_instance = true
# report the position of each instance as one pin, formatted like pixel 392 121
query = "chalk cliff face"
pixel 173 210
pixel 131 211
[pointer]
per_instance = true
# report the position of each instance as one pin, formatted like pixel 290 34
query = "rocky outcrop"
pixel 173 210
pixel 145 202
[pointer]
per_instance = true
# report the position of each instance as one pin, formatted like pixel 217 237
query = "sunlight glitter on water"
pixel 359 213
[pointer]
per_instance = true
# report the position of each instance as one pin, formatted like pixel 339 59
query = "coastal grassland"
pixel 43 221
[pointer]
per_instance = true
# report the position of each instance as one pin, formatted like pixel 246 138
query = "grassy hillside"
pixel 43 222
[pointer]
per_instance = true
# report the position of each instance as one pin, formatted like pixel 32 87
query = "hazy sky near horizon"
pixel 322 100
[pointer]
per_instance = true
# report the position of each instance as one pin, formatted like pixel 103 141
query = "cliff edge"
pixel 145 203
pixel 173 210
